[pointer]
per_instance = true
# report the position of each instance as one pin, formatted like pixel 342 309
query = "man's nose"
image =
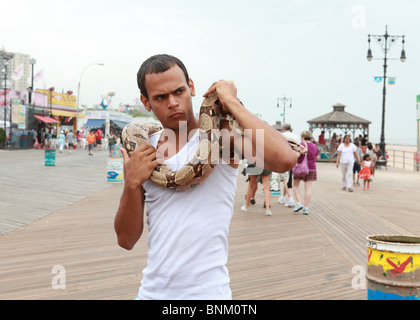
pixel 172 101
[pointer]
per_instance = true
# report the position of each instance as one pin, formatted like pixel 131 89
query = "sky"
pixel 312 51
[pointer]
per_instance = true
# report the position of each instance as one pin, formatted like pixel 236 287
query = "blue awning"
pixel 94 123
pixel 119 123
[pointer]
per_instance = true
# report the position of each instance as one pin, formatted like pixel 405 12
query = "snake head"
pixel 130 146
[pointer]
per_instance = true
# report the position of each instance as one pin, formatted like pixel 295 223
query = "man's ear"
pixel 192 88
pixel 145 102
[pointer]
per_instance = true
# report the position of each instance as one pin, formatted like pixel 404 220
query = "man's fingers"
pixel 210 90
pixel 124 154
pixel 144 150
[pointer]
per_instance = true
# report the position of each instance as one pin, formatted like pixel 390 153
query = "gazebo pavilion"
pixel 339 119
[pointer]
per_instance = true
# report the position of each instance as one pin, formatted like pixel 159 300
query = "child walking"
pixel 366 172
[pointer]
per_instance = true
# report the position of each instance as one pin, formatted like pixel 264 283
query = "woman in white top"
pixel 346 157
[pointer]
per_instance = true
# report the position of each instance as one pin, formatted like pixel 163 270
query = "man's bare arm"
pixel 278 155
pixel 128 222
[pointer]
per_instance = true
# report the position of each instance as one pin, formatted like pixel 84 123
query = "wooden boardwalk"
pixel 284 256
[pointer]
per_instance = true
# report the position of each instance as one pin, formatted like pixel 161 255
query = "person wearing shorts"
pixel 285 177
pixel 98 136
pixel 91 141
pixel 357 162
pixel 312 155
pixel 257 174
pixel 112 140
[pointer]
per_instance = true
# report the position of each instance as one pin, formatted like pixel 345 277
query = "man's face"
pixel 169 97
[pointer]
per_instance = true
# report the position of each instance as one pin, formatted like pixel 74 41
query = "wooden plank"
pixel 285 256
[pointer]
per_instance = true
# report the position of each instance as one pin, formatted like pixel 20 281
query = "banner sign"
pixel 115 170
pixel 39 99
pixel 19 115
pixel 62 99
pixel 391 80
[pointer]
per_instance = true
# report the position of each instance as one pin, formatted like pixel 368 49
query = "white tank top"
pixel 188 230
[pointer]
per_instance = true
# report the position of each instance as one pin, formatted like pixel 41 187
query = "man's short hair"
pixel 287 126
pixel 157 64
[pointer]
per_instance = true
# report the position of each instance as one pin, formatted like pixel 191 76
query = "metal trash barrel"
pixel 393 267
pixel 50 157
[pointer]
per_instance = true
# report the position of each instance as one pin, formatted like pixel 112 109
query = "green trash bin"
pixel 50 157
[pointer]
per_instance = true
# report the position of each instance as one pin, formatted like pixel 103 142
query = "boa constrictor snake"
pixel 201 166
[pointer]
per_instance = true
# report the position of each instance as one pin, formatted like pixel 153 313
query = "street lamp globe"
pixel 369 55
pixel 403 57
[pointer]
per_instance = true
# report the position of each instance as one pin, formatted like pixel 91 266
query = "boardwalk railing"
pixel 407 160
pixel 397 158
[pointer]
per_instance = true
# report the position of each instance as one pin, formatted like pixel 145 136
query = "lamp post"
pixel 32 63
pixel 51 90
pixel 6 57
pixel 78 91
pixel 284 100
pixel 386 41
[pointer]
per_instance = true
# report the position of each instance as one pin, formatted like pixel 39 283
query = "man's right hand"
pixel 139 167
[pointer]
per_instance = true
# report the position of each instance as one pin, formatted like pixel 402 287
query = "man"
pixel 321 138
pixel 288 184
pixel 357 161
pixel 90 138
pixel 98 136
pixel 187 229
pixel 70 140
pixel 112 140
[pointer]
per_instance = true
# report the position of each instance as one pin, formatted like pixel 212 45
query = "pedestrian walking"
pixel 346 157
pixel 286 196
pixel 70 140
pixel 61 140
pixel 188 230
pixel 98 136
pixel 366 171
pixel 112 140
pixel 288 132
pixel 257 174
pixel 311 157
pixel 356 165
pixel 79 136
pixel 90 138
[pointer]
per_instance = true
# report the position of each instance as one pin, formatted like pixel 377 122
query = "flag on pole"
pixel 38 76
pixel 391 80
pixel 378 79
pixel 18 72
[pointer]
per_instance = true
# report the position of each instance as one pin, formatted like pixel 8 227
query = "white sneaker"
pixel 268 213
pixel 244 208
pixel 305 211
pixel 290 203
pixel 298 207
pixel 282 199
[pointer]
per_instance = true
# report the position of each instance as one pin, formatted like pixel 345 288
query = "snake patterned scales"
pixel 202 164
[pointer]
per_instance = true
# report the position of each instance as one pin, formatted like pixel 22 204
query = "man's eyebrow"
pixel 165 94
pixel 177 89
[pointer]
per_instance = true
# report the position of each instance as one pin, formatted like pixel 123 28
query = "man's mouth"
pixel 175 115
